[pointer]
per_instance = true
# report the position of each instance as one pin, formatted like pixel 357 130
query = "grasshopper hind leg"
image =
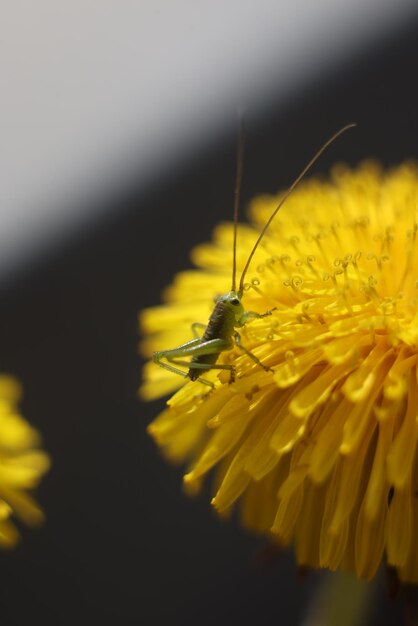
pixel 175 370
pixel 196 349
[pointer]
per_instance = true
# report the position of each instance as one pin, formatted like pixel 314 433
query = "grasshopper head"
pixel 233 304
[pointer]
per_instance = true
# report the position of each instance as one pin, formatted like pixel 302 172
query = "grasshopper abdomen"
pixel 220 326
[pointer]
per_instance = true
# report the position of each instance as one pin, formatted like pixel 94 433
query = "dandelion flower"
pixel 21 465
pixel 319 451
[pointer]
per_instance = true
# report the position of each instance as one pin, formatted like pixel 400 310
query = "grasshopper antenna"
pixel 237 192
pixel 283 200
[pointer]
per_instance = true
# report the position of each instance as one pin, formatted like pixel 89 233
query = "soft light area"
pixel 94 92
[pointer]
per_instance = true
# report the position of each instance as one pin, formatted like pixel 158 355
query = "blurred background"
pixel 118 129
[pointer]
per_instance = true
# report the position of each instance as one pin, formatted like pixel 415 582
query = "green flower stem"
pixel 341 599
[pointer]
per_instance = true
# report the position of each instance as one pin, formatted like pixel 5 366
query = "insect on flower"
pixel 220 333
pixel 322 454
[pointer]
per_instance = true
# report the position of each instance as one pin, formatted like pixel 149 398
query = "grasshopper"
pixel 221 334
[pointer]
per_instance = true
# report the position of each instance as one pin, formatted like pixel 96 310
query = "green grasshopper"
pixel 220 333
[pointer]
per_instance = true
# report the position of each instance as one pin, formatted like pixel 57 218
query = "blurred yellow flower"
pixel 21 465
pixel 321 451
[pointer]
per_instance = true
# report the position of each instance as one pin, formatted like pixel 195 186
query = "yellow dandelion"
pixel 21 465
pixel 319 451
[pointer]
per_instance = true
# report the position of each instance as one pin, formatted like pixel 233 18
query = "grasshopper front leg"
pixel 195 327
pixel 252 315
pixel 245 317
pixel 252 356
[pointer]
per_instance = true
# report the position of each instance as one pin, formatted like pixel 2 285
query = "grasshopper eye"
pixel 235 301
